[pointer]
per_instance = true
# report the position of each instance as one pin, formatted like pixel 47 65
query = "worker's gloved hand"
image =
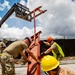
pixel 38 63
pixel 40 42
pixel 29 62
pixel 41 56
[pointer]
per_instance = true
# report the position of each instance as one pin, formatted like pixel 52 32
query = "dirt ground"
pixel 67 62
pixel 69 58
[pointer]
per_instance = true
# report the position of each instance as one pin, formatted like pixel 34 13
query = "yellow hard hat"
pixel 49 63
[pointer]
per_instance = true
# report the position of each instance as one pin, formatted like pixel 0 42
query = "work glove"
pixel 41 56
pixel 29 62
pixel 40 42
pixel 38 61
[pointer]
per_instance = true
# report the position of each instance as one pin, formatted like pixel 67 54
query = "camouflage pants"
pixel 7 65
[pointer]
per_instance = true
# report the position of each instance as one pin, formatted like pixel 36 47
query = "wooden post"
pixel 34 68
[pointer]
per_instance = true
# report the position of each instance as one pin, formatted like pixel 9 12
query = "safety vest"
pixel 60 51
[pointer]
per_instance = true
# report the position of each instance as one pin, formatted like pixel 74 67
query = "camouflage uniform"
pixel 7 65
pixel 12 51
pixel 65 71
pixel 2 46
pixel 61 71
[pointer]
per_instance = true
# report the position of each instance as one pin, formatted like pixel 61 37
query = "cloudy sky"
pixel 58 21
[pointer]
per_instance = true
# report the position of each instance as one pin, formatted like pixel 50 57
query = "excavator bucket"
pixel 28 15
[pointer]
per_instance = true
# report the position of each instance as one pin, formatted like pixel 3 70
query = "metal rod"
pixel 34 27
pixel 7 15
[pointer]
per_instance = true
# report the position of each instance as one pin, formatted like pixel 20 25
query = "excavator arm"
pixel 21 12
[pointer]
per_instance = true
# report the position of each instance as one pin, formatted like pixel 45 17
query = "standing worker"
pixel 3 45
pixel 11 52
pixel 50 65
pixel 56 50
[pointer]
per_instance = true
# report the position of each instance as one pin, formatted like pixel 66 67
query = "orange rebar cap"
pixel 49 39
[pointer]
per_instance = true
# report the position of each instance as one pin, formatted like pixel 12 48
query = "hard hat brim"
pixel 49 68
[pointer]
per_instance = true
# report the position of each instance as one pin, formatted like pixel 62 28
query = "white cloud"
pixel 22 2
pixel 4 5
pixel 58 21
pixel 14 32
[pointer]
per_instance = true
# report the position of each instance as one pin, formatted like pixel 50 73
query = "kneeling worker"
pixel 50 65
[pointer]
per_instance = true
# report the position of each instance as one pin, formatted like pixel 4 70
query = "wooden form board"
pixel 34 68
